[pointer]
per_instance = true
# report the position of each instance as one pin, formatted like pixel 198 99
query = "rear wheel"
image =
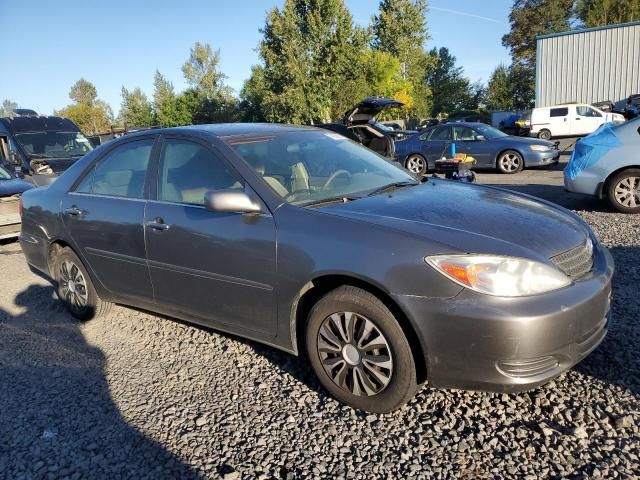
pixel 544 134
pixel 75 288
pixel 510 162
pixel 359 351
pixel 416 164
pixel 624 191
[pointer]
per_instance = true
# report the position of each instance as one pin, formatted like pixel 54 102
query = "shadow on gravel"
pixel 57 416
pixel 617 359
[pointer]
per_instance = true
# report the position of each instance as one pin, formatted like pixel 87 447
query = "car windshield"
pixel 306 167
pixel 490 132
pixel 54 144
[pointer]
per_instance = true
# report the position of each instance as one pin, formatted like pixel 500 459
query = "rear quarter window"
pixel 559 112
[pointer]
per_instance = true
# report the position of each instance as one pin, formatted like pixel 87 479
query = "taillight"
pixel 20 207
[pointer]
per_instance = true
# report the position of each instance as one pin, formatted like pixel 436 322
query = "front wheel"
pixel 74 287
pixel 510 162
pixel 624 191
pixel 359 351
pixel 416 164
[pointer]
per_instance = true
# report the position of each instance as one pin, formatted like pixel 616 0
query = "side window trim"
pixel 90 169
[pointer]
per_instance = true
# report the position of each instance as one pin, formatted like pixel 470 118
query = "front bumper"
pixel 539 159
pixel 480 342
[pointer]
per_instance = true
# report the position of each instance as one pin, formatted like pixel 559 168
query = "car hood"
pixel 470 218
pixel 367 110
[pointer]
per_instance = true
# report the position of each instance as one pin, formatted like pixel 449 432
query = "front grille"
pixel 577 262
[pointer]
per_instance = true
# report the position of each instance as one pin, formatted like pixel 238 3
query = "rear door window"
pixel 121 172
pixel 559 112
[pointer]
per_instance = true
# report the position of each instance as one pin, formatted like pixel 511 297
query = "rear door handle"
pixel 73 211
pixel 157 224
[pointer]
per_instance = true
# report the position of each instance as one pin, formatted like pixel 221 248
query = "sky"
pixel 48 46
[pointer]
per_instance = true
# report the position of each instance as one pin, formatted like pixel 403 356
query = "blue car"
pixel 489 146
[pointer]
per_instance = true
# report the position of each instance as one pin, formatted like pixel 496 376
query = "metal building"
pixel 588 66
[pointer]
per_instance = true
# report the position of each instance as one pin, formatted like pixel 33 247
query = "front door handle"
pixel 157 224
pixel 73 211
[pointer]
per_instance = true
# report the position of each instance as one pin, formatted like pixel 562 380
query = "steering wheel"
pixel 335 175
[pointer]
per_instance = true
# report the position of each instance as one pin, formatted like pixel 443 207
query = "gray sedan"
pixel 489 146
pixel 304 240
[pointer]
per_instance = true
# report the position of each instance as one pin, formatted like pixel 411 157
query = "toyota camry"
pixel 309 242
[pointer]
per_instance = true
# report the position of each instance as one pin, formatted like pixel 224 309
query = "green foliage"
pixel 252 94
pixel 400 29
pixel 597 13
pixel 450 89
pixel 309 49
pixel 87 111
pixel 528 19
pixel 499 94
pixel 136 110
pixel 7 108
pixel 83 92
pixel 202 71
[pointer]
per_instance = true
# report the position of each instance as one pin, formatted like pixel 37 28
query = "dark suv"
pixel 40 147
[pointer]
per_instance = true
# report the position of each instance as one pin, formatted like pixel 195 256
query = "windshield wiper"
pixel 391 186
pixel 329 200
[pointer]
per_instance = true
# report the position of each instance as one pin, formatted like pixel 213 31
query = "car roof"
pixel 39 124
pixel 227 129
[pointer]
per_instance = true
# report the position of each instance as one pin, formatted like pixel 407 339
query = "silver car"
pixel 606 164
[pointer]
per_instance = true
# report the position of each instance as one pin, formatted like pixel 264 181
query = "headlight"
pixel 500 276
pixel 540 148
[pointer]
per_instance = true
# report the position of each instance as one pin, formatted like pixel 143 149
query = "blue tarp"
pixel 591 149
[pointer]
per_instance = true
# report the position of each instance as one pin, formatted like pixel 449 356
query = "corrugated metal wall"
pixel 588 66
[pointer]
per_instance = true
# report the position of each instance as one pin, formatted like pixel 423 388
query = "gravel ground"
pixel 140 396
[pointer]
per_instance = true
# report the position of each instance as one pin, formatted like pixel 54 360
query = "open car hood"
pixel 367 109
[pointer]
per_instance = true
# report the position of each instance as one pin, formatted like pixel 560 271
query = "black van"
pixel 40 147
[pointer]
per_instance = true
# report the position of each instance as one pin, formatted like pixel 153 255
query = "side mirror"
pixel 231 201
pixel 480 138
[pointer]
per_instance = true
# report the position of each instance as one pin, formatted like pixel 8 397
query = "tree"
pixel 400 29
pixel 166 111
pixel 83 92
pixel 7 108
pixel 309 50
pixel 252 94
pixel 87 111
pixel 450 89
pixel 528 19
pixel 499 94
pixel 597 13
pixel 136 110
pixel 202 71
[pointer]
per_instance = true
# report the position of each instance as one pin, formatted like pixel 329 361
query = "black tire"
pixel 365 307
pixel 623 190
pixel 544 134
pixel 416 164
pixel 75 286
pixel 510 162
